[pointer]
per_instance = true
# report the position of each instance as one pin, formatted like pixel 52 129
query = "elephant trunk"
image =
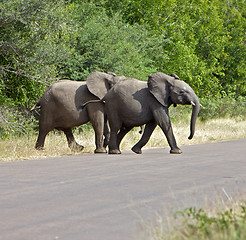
pixel 195 110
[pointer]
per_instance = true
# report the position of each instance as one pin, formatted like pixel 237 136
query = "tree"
pixel 203 41
pixel 32 42
pixel 106 43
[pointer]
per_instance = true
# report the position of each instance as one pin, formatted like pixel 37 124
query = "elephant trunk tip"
pixel 190 137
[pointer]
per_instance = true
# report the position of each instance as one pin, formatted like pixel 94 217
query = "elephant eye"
pixel 181 92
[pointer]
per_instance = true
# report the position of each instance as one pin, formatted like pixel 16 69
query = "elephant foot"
pixel 136 150
pixel 175 151
pixel 106 142
pixel 105 145
pixel 39 148
pixel 76 147
pixel 114 151
pixel 100 150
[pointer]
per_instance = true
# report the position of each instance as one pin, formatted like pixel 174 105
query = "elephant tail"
pixel 36 106
pixel 91 101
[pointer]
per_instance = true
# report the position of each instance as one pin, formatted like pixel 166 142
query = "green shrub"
pixel 16 122
pixel 227 106
pixel 198 224
pixel 106 44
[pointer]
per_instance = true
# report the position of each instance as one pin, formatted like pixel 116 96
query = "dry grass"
pixel 220 219
pixel 22 148
pixel 210 131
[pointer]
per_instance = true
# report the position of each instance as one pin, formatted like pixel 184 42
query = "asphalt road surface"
pixel 108 197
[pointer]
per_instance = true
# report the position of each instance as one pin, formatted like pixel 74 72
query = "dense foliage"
pixel 202 41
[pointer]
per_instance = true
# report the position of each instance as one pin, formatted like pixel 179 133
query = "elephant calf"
pixel 133 103
pixel 59 109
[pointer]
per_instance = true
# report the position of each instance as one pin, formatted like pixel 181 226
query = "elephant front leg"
pixel 99 139
pixel 100 148
pixel 148 130
pixel 162 118
pixel 96 115
pixel 106 134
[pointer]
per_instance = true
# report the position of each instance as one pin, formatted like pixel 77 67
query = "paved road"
pixel 106 197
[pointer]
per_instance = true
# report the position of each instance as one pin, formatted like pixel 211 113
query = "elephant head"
pixel 170 90
pixel 99 83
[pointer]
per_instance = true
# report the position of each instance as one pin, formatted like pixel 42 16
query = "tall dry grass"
pixel 210 131
pixel 22 148
pixel 218 220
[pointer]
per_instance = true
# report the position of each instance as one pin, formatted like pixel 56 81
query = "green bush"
pixel 34 39
pixel 16 122
pixel 106 44
pixel 227 106
pixel 197 224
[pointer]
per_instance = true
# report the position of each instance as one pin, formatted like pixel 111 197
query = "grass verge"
pixel 224 221
pixel 22 148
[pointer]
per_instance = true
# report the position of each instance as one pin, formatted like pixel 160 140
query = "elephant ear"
pixel 98 83
pixel 158 84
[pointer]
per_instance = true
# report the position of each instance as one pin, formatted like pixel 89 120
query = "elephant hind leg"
pixel 114 140
pixel 41 138
pixel 72 144
pixel 45 126
pixel 122 133
pixel 115 124
pixel 149 128
pixel 106 133
pixel 40 141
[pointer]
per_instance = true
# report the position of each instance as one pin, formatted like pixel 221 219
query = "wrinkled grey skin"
pixel 133 103
pixel 59 109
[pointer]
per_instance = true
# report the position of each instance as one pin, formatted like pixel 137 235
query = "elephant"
pixel 59 109
pixel 133 103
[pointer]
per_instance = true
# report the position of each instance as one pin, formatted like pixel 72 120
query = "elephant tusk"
pixel 192 103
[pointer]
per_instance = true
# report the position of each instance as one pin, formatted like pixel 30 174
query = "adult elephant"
pixel 59 109
pixel 133 103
